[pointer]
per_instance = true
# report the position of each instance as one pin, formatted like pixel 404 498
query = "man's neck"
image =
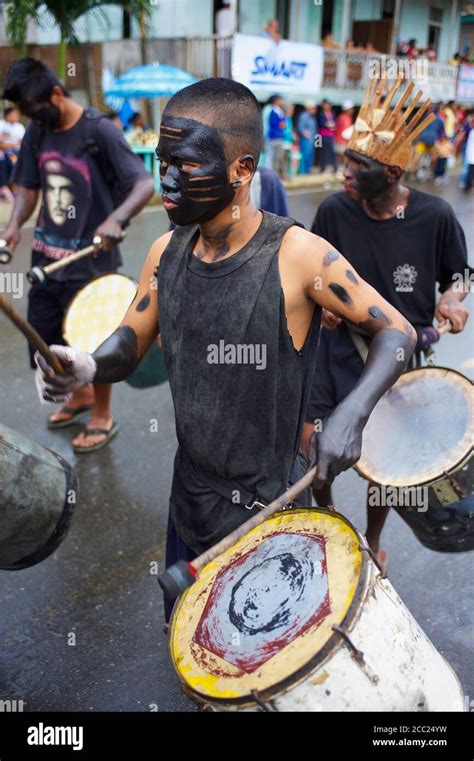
pixel 72 112
pixel 223 236
pixel 386 205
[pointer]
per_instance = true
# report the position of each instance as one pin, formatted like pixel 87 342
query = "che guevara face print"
pixel 193 170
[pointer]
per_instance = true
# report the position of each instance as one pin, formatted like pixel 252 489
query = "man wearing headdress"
pixel 401 241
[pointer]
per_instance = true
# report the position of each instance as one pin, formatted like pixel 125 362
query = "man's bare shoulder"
pixel 304 248
pixel 158 247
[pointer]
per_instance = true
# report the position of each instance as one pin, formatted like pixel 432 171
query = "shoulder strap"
pixel 37 135
pixel 92 143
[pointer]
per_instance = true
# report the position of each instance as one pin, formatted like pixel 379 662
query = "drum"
pixel 96 311
pixel 296 617
pixel 417 446
pixel 38 494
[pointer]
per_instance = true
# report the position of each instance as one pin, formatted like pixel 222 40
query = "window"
pixel 434 28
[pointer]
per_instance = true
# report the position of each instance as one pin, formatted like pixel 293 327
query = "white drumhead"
pixel 97 310
pixel 422 428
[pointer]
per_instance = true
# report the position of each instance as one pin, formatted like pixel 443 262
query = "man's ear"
pixel 242 170
pixel 393 173
pixel 57 95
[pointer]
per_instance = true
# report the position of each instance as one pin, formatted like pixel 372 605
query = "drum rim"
pixel 333 643
pixel 92 280
pixel 427 482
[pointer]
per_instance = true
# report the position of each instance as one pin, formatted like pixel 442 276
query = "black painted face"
pixel 364 177
pixel 193 170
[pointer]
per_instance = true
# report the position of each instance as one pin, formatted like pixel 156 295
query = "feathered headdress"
pixel 385 134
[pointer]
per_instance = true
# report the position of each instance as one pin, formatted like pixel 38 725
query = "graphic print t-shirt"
pixel 401 257
pixel 76 198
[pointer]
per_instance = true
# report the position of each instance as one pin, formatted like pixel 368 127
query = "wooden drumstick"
pixel 444 328
pixel 181 575
pixel 40 274
pixel 31 335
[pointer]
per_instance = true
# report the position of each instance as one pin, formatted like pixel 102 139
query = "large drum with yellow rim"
pixel 296 616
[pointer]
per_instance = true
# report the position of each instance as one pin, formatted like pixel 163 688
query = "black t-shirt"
pixel 76 197
pixel 402 258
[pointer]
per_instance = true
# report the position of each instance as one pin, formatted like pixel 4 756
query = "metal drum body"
pixel 420 436
pixel 295 617
pixel 38 493
pixel 96 311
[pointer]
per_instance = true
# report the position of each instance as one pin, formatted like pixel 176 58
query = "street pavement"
pixel 98 584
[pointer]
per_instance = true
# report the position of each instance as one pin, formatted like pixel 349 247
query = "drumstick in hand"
pixel 444 328
pixel 181 575
pixel 31 335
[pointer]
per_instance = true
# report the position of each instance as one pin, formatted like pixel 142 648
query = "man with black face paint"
pixel 237 295
pixel 399 240
pixel 78 203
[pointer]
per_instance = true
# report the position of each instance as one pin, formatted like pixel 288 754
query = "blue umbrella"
pixel 150 81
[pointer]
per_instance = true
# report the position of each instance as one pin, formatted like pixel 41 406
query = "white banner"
pixel 465 90
pixel 284 67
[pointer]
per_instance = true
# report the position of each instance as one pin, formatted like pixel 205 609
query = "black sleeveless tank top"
pixel 239 386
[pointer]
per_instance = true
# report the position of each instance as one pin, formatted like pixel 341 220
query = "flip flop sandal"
pixel 75 412
pixel 98 432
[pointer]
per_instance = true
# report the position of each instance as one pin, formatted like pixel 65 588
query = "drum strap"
pixel 229 489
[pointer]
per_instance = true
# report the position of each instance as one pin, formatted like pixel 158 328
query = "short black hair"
pixel 29 79
pixel 228 106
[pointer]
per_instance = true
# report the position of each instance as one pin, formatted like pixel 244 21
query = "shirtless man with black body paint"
pixel 230 271
pixel 362 220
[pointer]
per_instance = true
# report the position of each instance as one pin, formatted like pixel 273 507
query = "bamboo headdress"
pixel 382 133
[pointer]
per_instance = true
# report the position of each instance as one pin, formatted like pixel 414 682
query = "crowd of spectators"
pixel 302 140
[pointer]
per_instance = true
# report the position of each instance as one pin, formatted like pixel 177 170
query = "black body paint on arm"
pixel 341 293
pixel 330 257
pixel 339 444
pixel 142 305
pixel 117 357
pixel 351 276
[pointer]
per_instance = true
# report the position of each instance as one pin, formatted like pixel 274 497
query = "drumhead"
pixel 422 428
pixel 259 616
pixel 97 310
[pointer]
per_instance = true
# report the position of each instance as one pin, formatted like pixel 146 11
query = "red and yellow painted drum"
pixel 295 616
pixel 418 446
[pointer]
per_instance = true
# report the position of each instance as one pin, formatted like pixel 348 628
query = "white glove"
pixel 79 366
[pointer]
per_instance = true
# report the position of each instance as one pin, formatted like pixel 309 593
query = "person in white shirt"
pixel 225 20
pixel 11 135
pixel 11 130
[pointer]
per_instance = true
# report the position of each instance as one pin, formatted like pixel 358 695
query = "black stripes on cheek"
pixel 341 294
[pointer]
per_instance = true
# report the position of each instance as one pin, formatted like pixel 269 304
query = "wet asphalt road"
pixel 98 584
